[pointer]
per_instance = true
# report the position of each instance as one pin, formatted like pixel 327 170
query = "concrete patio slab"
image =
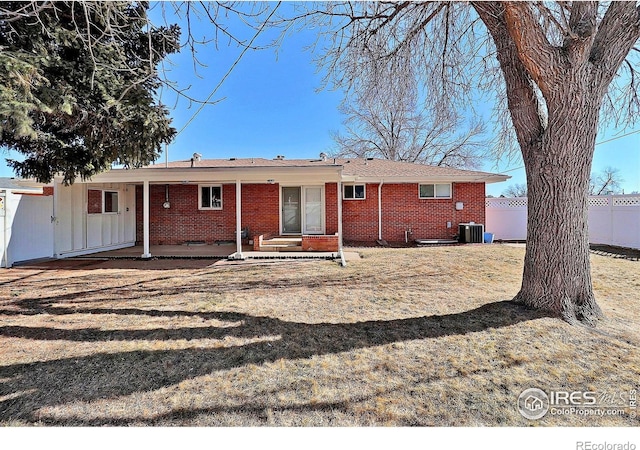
pixel 171 251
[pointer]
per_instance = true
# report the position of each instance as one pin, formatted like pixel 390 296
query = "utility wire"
pixel 597 143
pixel 230 69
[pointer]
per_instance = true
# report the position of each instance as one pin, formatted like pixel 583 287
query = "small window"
pixel 435 190
pixel 102 202
pixel 354 192
pixel 210 197
pixel 110 202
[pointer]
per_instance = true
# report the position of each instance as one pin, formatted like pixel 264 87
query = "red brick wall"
pixel 94 201
pixel 260 208
pixel 185 222
pixel 360 217
pixel 331 207
pixel 402 209
pixel 260 212
pixel 320 243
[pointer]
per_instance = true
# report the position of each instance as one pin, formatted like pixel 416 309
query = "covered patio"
pixel 198 209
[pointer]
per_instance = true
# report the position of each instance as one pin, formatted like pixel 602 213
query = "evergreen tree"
pixel 78 84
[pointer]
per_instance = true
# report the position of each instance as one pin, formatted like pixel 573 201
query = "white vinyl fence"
pixel 27 231
pixel 613 219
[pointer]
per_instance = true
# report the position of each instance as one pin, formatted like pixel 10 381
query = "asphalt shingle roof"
pixel 355 167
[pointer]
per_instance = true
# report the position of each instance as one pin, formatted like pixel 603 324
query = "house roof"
pixel 19 186
pixel 353 169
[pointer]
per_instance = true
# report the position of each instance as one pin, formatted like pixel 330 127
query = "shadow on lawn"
pixel 28 387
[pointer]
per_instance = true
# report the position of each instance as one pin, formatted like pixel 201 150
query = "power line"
pixel 597 143
pixel 618 137
pixel 230 69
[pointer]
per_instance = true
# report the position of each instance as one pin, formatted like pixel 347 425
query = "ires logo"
pixel 534 403
pixel 576 398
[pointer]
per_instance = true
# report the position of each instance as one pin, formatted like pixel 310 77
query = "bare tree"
pixel 554 68
pixel 398 131
pixel 605 182
pixel 516 190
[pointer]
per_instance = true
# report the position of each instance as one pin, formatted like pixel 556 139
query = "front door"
pixel 291 209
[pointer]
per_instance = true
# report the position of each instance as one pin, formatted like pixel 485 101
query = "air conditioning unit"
pixel 470 233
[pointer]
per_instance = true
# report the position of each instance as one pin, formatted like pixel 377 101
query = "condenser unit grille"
pixel 470 233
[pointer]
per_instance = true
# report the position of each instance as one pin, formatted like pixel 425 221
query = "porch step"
pixel 282 244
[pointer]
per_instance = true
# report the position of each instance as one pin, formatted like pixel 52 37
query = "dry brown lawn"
pixel 422 336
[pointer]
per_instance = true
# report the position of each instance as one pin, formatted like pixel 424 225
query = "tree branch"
pixel 534 49
pixel 581 33
pixel 619 30
pixel 523 102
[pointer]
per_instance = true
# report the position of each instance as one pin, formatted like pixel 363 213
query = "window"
pixel 354 192
pixel 110 202
pixel 102 202
pixel 210 197
pixel 434 190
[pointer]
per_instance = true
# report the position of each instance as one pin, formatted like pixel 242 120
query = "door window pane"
pixel 291 217
pixel 313 210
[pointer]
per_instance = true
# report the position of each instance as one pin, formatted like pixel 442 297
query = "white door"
pixel 313 210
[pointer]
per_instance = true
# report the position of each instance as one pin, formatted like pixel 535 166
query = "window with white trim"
pixel 210 197
pixel 354 192
pixel 440 190
pixel 102 201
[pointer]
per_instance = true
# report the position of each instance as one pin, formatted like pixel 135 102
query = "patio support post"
pixel 380 210
pixel 339 215
pixel 145 219
pixel 238 219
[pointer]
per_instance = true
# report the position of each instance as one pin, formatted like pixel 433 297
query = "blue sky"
pixel 271 105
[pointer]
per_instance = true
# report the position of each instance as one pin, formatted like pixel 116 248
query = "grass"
pixel 402 337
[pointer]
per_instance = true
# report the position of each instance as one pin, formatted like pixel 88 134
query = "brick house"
pixel 316 203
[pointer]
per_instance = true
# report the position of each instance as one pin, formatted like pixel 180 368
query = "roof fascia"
pixel 431 179
pixel 203 174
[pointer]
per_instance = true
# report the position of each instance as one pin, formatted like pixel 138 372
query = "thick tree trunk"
pixel 557 147
pixel 557 275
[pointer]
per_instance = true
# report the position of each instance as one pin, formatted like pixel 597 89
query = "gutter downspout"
pixel 380 210
pixel 340 216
